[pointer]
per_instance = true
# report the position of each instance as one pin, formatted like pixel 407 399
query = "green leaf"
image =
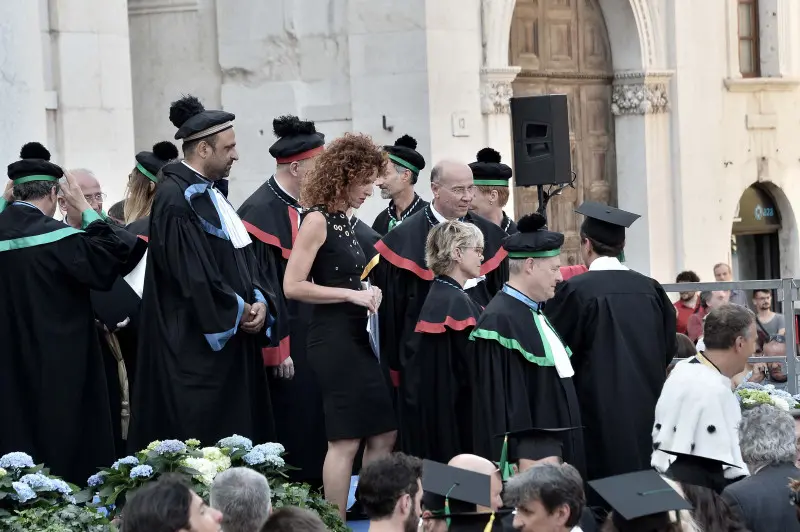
pixel 189 471
pixel 113 498
pixel 107 489
pixel 84 496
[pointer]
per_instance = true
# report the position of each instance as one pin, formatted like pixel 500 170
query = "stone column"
pixel 22 103
pixel 640 105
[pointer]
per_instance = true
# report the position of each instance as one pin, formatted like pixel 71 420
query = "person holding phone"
pixel 325 269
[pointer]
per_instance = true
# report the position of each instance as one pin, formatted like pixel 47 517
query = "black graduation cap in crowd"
pixel 404 152
pixel 639 500
pixel 533 239
pixel 195 122
pixel 487 170
pixel 453 493
pixel 297 139
pixel 538 443
pixel 604 223
pixel 34 165
pixel 697 470
pixel 150 163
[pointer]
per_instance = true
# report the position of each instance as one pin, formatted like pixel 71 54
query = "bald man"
pixel 405 279
pixel 92 191
pixel 478 464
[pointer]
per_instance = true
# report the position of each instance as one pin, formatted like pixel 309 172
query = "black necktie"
pixel 222 186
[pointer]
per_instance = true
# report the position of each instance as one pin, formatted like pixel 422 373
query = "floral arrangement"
pixel 751 394
pixel 33 499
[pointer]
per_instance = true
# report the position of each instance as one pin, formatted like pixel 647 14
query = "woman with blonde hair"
pixel 435 400
pixel 325 270
pixel 142 183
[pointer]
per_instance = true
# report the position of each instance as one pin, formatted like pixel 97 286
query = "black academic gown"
pixel 620 326
pixel 199 376
pixel 52 379
pixel 435 389
pixel 508 225
pixel 387 219
pixel 405 279
pixel 367 238
pixel 271 217
pixel 513 387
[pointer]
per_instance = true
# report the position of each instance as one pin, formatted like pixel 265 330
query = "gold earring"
pixel 491 202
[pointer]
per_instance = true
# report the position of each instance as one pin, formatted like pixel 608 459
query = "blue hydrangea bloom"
pixel 61 486
pixel 170 446
pixel 16 460
pixel 236 442
pixel 275 461
pixel 141 471
pixel 38 482
pixel 24 492
pixel 270 449
pixel 128 460
pixel 254 458
pixel 95 480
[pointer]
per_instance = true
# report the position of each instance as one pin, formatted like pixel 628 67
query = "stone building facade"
pixel 677 108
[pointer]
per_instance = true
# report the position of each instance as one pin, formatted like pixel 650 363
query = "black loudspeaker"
pixel 540 126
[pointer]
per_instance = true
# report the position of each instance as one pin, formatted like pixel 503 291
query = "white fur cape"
pixel 698 414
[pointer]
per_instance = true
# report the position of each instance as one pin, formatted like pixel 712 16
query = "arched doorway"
pixel 563 48
pixel 755 243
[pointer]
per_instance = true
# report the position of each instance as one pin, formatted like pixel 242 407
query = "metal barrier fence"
pixel 787 295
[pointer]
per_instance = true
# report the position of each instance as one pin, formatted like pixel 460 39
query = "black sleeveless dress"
pixel 355 396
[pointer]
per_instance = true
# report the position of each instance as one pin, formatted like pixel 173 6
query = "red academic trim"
pixel 268 238
pixel 395 377
pixel 300 156
pixel 144 238
pixel 494 262
pixel 402 262
pixel 293 218
pixel 437 328
pixel 274 356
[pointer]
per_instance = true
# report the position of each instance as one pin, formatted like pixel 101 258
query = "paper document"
pixel 372 326
pixel 135 279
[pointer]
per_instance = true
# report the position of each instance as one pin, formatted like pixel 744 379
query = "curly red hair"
pixel 348 160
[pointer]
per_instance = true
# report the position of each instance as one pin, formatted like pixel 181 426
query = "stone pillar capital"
pixel 640 93
pixel 496 89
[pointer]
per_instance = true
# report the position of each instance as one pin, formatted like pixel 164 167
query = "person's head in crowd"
pixel 453 189
pixel 687 277
pixel 209 142
pixel 404 168
pixel 35 178
pixel 144 178
pixel 686 348
pixel 603 231
pixel 390 491
pixel 298 146
pixel 461 496
pixel 481 465
pixel 292 519
pixel 547 497
pixel 767 437
pixel 729 334
pixel 710 299
pixel 722 272
pixel 455 249
pixel 344 174
pixel 116 213
pixel 92 191
pixel 243 497
pixel 534 262
pixel 535 446
pixel 491 178
pixel 762 299
pixel 169 505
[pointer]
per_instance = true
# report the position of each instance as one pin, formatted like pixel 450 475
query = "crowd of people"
pixel 446 331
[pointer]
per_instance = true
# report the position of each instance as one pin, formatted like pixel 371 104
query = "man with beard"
pixel 390 491
pixel 403 275
pixel 687 304
pixel 620 326
pixel 206 309
pixel 272 217
pixel 398 185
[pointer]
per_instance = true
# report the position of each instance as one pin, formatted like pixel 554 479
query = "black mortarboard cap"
pixel 297 139
pixel 697 470
pixel 34 165
pixel 462 489
pixel 533 239
pixel 537 443
pixel 404 152
pixel 487 170
pixel 195 122
pixel 149 163
pixel 639 499
pixel 604 223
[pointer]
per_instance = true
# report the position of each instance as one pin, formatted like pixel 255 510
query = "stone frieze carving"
pixel 639 99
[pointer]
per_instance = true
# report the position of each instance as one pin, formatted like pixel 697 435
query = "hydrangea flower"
pixel 170 446
pixel 275 461
pixel 153 445
pixel 207 468
pixel 215 455
pixel 254 458
pixel 128 460
pixel 16 460
pixel 3 472
pixel 38 482
pixel 24 492
pixel 61 486
pixel 236 442
pixel 193 443
pixel 270 449
pixel 95 480
pixel 141 471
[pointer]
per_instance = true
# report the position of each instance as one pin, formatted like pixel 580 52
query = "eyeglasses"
pixel 462 191
pixel 99 197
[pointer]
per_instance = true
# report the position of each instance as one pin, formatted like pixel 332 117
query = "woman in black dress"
pixel 356 399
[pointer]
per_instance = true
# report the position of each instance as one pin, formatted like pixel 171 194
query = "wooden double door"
pixel 562 47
